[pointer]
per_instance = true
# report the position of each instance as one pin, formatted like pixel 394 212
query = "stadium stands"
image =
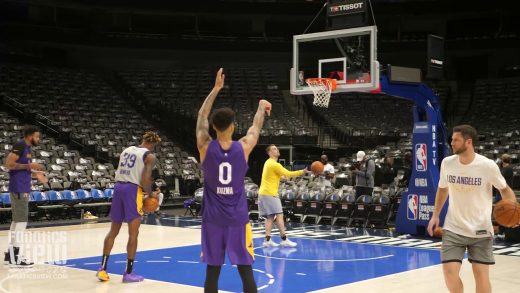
pixel 88 113
pixel 182 91
pixel 353 116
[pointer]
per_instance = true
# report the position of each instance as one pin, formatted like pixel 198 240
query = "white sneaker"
pixel 270 243
pixel 288 243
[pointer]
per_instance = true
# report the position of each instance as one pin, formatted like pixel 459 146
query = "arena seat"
pixel 346 204
pixel 379 211
pixel 174 91
pixel 108 193
pixel 252 199
pixel 87 201
pixel 103 128
pixel 301 203
pixel 5 199
pixel 361 211
pixel 316 203
pixel 330 206
pixel 56 207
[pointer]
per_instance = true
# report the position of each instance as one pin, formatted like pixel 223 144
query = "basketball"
pixel 150 204
pixel 437 233
pixel 248 148
pixel 507 213
pixel 317 167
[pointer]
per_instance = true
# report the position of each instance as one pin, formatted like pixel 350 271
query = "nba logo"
pixel 413 203
pixel 421 161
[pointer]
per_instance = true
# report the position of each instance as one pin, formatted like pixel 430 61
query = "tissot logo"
pixel 347 7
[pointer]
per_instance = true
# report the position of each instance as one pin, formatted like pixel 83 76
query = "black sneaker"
pixel 6 258
pixel 21 262
pixel 18 261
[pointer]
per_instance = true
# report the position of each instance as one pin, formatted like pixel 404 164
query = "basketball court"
pixel 326 69
pixel 327 259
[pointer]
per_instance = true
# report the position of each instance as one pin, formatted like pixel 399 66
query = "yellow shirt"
pixel 271 175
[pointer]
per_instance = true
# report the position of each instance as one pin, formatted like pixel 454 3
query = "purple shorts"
pixel 127 203
pixel 236 241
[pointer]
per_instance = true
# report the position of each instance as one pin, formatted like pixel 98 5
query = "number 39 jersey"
pixel 224 200
pixel 131 165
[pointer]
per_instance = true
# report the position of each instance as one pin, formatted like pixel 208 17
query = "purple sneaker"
pixel 132 278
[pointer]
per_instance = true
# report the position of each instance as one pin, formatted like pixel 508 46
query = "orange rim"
pixel 325 81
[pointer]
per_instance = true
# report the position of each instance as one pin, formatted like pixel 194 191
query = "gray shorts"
pixel 19 206
pixel 480 250
pixel 269 205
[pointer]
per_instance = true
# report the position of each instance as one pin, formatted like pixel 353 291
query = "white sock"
pixel 17 228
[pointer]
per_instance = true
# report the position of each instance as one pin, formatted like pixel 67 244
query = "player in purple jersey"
pixel 134 177
pixel 20 165
pixel 225 221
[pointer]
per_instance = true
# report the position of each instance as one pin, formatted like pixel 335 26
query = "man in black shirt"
pixel 507 172
pixel 506 169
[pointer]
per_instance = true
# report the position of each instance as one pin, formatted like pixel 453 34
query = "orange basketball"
pixel 150 204
pixel 437 233
pixel 317 167
pixel 507 213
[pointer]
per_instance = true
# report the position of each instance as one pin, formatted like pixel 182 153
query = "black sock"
pixel 267 238
pixel 212 275
pixel 284 237
pixel 248 281
pixel 129 266
pixel 104 261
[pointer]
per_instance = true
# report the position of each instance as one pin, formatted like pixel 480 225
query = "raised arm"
pixel 253 133
pixel 146 178
pixel 202 130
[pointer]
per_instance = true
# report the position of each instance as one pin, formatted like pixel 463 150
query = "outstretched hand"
pixel 219 80
pixel 266 105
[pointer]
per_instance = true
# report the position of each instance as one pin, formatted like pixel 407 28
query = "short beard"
pixel 461 150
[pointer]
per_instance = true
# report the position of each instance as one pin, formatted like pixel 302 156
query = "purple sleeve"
pixel 18 149
pixel 146 154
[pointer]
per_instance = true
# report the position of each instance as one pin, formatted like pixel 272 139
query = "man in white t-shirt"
pixel 468 178
pixel 328 170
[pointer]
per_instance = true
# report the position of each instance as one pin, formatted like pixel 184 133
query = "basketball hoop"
pixel 322 89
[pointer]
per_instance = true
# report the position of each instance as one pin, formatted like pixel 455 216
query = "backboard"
pixel 348 55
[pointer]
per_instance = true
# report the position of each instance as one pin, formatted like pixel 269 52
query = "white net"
pixel 322 88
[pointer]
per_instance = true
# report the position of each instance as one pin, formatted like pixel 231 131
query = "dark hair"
pixel 467 131
pixel 151 137
pixel 408 156
pixel 268 148
pixel 29 130
pixel 222 118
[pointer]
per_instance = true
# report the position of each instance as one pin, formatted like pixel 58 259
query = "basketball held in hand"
pixel 507 213
pixel 317 168
pixel 150 204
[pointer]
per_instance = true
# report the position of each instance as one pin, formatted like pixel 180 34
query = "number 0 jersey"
pixel 131 165
pixel 224 201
